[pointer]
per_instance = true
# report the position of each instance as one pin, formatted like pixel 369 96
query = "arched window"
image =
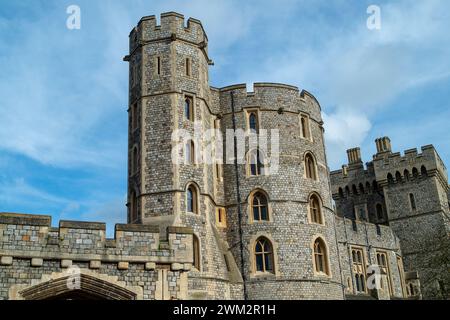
pixel 314 209
pixel 406 174
pixel 304 126
pixel 320 257
pixel 412 201
pixel 347 191
pixel 264 255
pixel 190 152
pixel 253 122
pixel 191 199
pixel 415 172
pixel 188 109
pixel 390 178
pixel 260 207
pixel 341 193
pixel 256 163
pixel 196 249
pixel 310 167
pixel 361 188
pixel 134 167
pixel 398 177
pixel 133 207
pixel 379 209
pixel 423 171
pixel 354 190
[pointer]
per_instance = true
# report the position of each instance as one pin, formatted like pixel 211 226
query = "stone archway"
pixel 89 286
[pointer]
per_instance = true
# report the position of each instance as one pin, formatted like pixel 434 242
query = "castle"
pixel 246 225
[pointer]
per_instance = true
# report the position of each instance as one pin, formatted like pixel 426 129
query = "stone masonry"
pixel 192 232
pixel 409 194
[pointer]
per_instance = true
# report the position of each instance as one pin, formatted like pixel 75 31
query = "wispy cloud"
pixel 64 93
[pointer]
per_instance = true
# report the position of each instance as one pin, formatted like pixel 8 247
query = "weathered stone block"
pixel 37 262
pixel 6 261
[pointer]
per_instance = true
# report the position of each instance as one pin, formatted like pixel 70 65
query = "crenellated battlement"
pixel 413 162
pixel 31 236
pixel 266 95
pixel 172 27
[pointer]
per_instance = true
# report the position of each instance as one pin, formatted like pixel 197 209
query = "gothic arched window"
pixel 256 163
pixel 260 207
pixel 253 122
pixel 191 199
pixel 264 255
pixel 188 109
pixel 310 167
pixel 314 209
pixel 320 257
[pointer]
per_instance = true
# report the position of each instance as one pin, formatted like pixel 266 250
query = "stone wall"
pixel 136 261
pixel 372 239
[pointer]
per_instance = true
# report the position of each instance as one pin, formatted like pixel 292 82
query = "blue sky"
pixel 63 93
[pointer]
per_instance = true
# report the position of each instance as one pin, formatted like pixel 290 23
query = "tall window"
pixel 188 66
pixel 256 163
pixel 412 201
pixel 191 199
pixel 379 209
pixel 304 123
pixel 134 117
pixel 390 178
pixel 158 65
pixel 423 171
pixel 264 255
pixel 314 209
pixel 398 177
pixel 221 217
pixel 133 207
pixel 320 257
pixel 359 270
pixel 415 172
pixel 196 249
pixel 190 152
pixel 384 267
pixel 253 122
pixel 260 207
pixel 188 109
pixel 134 166
pixel 406 175
pixel 310 167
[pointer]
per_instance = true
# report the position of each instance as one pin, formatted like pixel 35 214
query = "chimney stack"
pixel 354 156
pixel 383 145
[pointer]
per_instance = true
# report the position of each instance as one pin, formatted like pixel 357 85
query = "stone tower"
pixel 408 193
pixel 300 183
pixel 415 189
pixel 169 93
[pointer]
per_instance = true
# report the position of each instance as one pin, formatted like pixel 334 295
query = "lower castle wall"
pixel 367 238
